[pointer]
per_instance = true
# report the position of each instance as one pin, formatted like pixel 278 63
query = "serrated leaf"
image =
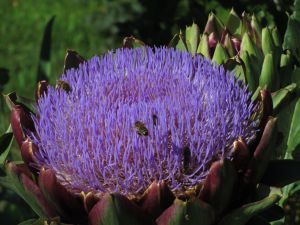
pixel 45 56
pixel 243 214
pixel 5 145
pixel 294 134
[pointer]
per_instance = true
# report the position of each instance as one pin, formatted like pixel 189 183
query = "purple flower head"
pixel 135 116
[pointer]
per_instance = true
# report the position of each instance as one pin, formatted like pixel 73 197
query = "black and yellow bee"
pixel 63 85
pixel 141 128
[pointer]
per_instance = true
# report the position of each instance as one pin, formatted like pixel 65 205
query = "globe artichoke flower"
pixel 146 136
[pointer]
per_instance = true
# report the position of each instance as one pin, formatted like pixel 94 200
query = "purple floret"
pixel 188 112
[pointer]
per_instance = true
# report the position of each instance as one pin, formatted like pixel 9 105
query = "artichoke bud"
pixel 267 41
pixel 214 25
pixel 234 23
pixel 220 55
pixel 268 76
pixel 203 47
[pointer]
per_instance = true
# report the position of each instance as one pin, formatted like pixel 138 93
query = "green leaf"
pixel 187 213
pixel 284 116
pixel 279 96
pixel 5 145
pixel 295 77
pixel 192 35
pixel 242 215
pixel 45 56
pixel 294 135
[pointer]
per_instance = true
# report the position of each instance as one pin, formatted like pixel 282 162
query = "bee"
pixel 186 153
pixel 141 128
pixel 63 85
pixel 154 118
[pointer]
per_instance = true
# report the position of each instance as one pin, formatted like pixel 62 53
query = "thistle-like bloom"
pixel 136 116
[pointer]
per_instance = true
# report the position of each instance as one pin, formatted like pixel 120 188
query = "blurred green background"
pixel 94 27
